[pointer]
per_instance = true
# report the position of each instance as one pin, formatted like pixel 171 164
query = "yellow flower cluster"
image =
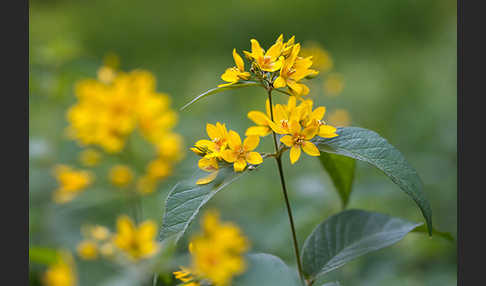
pixel 281 66
pixel 121 175
pixel 132 242
pixel 96 240
pixel 298 123
pixel 71 183
pixel 216 253
pixel 111 107
pixel 62 272
pixel 225 146
pixel 89 157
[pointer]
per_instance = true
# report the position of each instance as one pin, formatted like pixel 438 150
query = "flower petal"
pixel 294 127
pixel 310 148
pixel 208 164
pixel 258 131
pixel 240 64
pixel 239 165
pixel 254 158
pixel 318 113
pixel 258 117
pixel 279 82
pixel 327 131
pixel 287 140
pixel 234 140
pixel 251 142
pixel 310 131
pixel 228 155
pixel 209 178
pixel 294 154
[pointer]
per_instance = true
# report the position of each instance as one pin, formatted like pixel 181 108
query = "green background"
pixel 398 60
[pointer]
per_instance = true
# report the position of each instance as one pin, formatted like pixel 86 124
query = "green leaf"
pixel 341 170
pixel 368 146
pixel 335 283
pixel 220 89
pixel 445 235
pixel 348 235
pixel 266 269
pixel 186 198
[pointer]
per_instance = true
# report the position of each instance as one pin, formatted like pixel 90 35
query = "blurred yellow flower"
pixel 71 183
pixel 99 232
pixel 216 253
pixel 146 185
pixel 62 272
pixel 340 118
pixel 107 249
pixel 107 112
pixel 89 157
pixel 121 175
pixel 87 250
pixel 334 84
pixel 321 60
pixel 136 242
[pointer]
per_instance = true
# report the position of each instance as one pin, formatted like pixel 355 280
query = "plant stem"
pixel 278 158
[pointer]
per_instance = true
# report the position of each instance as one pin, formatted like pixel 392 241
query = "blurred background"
pixel 393 71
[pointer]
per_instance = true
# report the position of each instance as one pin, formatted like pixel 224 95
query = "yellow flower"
pixel 234 74
pixel 170 147
pixel 340 117
pixel 216 252
pixel 136 243
pixel 334 84
pixel 284 114
pixel 61 273
pixel 293 70
pixel 99 232
pixel 241 154
pixel 146 185
pixel 107 249
pixel 121 175
pixel 298 139
pixel 271 60
pixel 287 47
pixel 89 157
pixel 71 183
pixel 321 60
pixel 314 117
pixel 87 250
pixel 211 150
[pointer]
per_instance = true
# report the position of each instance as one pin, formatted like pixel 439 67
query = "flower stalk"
pixel 278 158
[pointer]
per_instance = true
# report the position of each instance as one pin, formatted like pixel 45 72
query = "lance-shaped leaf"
pixel 221 89
pixel 266 269
pixel 341 171
pixel 186 198
pixel 348 235
pixel 368 146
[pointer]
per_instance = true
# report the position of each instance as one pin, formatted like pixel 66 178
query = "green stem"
pixel 278 158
